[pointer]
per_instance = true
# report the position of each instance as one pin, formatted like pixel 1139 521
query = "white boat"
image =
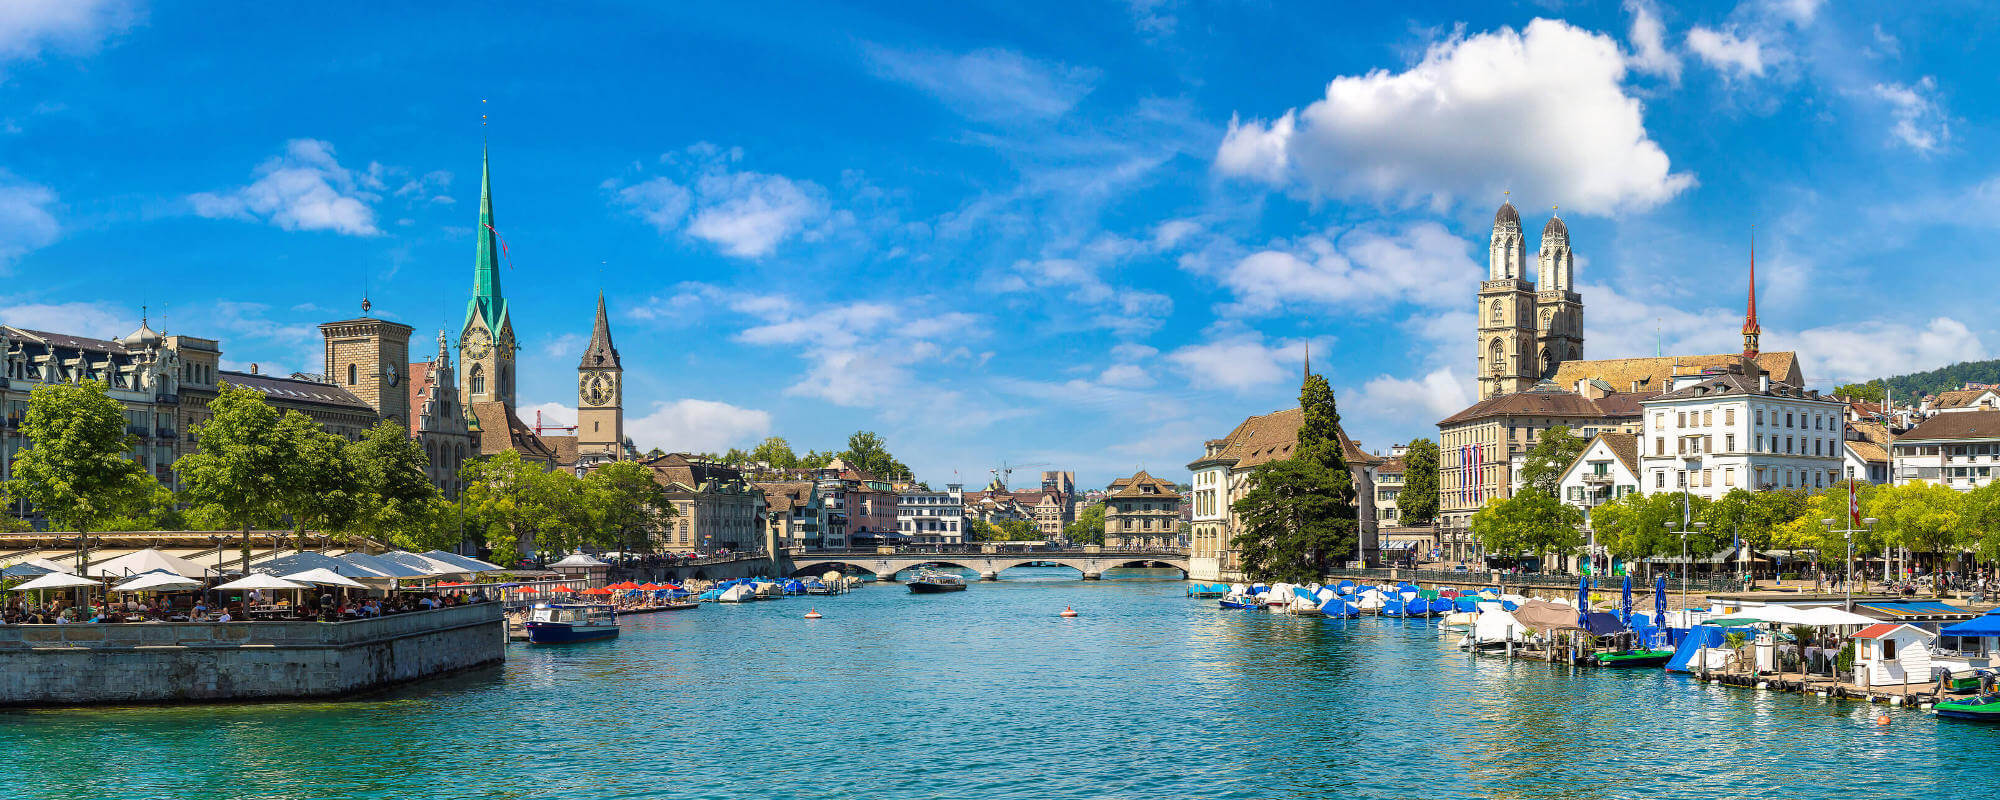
pixel 737 594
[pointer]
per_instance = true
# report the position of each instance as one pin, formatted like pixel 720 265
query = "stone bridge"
pixel 987 560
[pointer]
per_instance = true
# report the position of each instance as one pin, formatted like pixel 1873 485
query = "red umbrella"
pixel 599 590
pixel 564 589
pixel 650 587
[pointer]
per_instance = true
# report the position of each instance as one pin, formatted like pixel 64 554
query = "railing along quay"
pixel 1701 585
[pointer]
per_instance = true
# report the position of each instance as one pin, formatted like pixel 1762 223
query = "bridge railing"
pixel 999 548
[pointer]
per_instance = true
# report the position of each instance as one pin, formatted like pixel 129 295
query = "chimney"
pixel 253 367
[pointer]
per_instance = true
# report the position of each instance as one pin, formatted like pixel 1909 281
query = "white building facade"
pixel 1715 432
pixel 1958 449
pixel 932 517
pixel 1606 470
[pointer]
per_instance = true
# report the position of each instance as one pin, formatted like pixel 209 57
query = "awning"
pixel 1988 625
pixel 1918 608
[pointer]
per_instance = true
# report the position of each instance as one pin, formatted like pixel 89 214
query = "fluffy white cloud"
pixel 1649 42
pixel 28 27
pixel 1423 264
pixel 1388 403
pixel 304 189
pixel 101 320
pixel 27 218
pixel 1240 360
pixel 1798 11
pixel 1919 119
pixel 745 214
pixel 1875 349
pixel 1543 111
pixel 1739 55
pixel 679 426
pixel 990 85
pixel 1122 309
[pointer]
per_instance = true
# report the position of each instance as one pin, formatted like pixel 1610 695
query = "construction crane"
pixel 1005 472
pixel 539 427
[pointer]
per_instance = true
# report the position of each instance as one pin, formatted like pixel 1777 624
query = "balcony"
pixel 1596 479
pixel 140 431
pixel 165 433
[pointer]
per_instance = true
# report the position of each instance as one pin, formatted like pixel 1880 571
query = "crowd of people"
pixel 200 607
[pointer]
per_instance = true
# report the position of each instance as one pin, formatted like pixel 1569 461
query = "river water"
pixel 989 694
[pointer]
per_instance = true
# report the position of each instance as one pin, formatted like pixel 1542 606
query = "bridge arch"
pixel 885 566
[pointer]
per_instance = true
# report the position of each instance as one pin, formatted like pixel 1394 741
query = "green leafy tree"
pixel 567 515
pixel 1529 522
pixel 1542 468
pixel 399 504
pixel 777 452
pixel 1981 514
pixel 979 530
pixel 1018 530
pixel 814 459
pixel 633 504
pixel 1088 527
pixel 1637 526
pixel 319 486
pixel 1756 516
pixel 1870 391
pixel 866 452
pixel 1417 503
pixel 503 503
pixel 1299 516
pixel 1924 517
pixel 240 472
pixel 160 511
pixel 1806 532
pixel 77 467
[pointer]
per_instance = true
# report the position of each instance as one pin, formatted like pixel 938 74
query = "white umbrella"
pixel 259 580
pixel 157 582
pixel 56 580
pixel 325 577
pixel 1834 617
pixel 148 560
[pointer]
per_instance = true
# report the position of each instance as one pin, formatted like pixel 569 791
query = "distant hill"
pixel 1931 382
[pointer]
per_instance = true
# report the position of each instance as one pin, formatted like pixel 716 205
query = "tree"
pixel 1805 531
pixel 1417 503
pixel 633 503
pixel 1922 517
pixel 1870 391
pixel 319 486
pixel 814 459
pixel 502 497
pixel 239 473
pixel 1637 526
pixel 1981 514
pixel 1531 521
pixel 1756 516
pixel 1299 516
pixel 1088 527
pixel 1543 466
pixel 77 467
pixel 399 504
pixel 866 452
pixel 777 452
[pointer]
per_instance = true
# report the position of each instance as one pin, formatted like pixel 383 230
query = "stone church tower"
pixel 1524 334
pixel 369 357
pixel 600 396
pixel 486 343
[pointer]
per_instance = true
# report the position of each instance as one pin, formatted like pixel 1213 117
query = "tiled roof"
pixel 563 446
pixel 293 390
pixel 1736 383
pixel 1957 425
pixel 1136 485
pixel 1271 437
pixel 1959 398
pixel 1654 374
pixel 1868 451
pixel 1393 466
pixel 1623 446
pixel 500 430
pixel 77 342
pixel 780 497
pixel 1872 431
pixel 1547 401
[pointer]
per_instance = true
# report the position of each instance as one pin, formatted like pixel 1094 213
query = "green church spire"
pixel 487 302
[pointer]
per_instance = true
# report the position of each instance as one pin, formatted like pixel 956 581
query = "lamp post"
pixel 1847 535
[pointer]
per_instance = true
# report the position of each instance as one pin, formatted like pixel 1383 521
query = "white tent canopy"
pixel 157 582
pixel 324 577
pixel 259 580
pixel 580 559
pixel 148 560
pixel 1834 617
pixel 56 580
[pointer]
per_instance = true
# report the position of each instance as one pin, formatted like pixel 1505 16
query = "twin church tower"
pixel 486 351
pixel 1527 328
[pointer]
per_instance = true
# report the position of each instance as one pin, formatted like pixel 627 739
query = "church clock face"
pixel 477 343
pixel 596 390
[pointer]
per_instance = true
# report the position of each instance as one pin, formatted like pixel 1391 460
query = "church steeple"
pixel 601 354
pixel 487 301
pixel 1751 330
pixel 1309 363
pixel 486 342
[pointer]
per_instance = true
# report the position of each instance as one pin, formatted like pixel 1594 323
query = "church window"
pixel 1495 361
pixel 593 427
pixel 350 374
pixel 478 379
pixel 1496 312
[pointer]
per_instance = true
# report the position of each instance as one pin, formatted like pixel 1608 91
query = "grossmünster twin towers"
pixel 1528 324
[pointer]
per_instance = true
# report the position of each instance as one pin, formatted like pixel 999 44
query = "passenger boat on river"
pixel 929 582
pixel 558 623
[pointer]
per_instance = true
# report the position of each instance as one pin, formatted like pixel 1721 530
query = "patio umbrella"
pixel 157 582
pixel 325 577
pixel 599 590
pixel 259 580
pixel 1660 606
pixel 56 580
pixel 148 560
pixel 1628 601
pixel 1582 599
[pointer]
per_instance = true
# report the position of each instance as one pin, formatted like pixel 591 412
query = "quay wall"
pixel 173 662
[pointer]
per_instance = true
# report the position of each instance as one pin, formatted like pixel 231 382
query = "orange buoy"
pixel 1882 720
pixel 1068 612
pixel 812 614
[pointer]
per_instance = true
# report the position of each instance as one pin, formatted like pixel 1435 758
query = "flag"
pixel 1853 508
pixel 503 246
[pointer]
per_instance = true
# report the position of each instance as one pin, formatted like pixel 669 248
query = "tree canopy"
pixel 1532 521
pixel 1299 516
pixel 1088 527
pixel 1542 467
pixel 1417 503
pixel 867 452
pixel 242 471
pixel 77 468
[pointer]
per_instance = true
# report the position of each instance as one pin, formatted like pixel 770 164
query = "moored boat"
pixel 1240 603
pixel 559 623
pixel 1984 707
pixel 928 582
pixel 1633 658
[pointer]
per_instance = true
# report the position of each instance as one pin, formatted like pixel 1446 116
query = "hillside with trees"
pixel 1942 379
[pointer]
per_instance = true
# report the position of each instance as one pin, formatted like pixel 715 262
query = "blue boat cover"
pixel 1988 625
pixel 1701 637
pixel 1602 623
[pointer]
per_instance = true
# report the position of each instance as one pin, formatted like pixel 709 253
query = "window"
pixel 1659 480
pixel 1681 419
pixel 1681 478
pixel 478 379
pixel 1660 421
pixel 1729 416
pixel 351 375
pixel 1706 478
pixel 1729 476
pixel 1707 444
pixel 1729 442
pixel 1760 416
pixel 1707 418
pixel 1788 419
pixel 1888 649
pixel 1760 443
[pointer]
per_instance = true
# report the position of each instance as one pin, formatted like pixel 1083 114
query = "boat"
pixel 740 593
pixel 928 582
pixel 561 623
pixel 1240 603
pixel 1983 707
pixel 1204 591
pixel 680 605
pixel 1635 658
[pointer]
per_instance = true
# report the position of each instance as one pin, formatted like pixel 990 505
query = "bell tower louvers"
pixel 600 396
pixel 1507 356
pixel 486 343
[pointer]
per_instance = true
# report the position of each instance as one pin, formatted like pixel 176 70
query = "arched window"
pixel 351 374
pixel 1495 359
pixel 478 381
pixel 1496 312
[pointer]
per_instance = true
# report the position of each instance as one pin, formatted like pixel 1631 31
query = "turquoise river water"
pixel 989 694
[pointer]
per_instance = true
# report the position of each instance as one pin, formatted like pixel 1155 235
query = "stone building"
pixel 1721 430
pixel 1222 476
pixel 793 512
pixel 1141 512
pixel 487 349
pixel 1388 485
pixel 1479 446
pixel 600 398
pixel 1526 328
pixel 715 508
pixel 438 419
pixel 370 359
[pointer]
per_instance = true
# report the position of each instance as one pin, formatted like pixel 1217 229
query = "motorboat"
pixel 562 623
pixel 740 593
pixel 1985 707
pixel 1240 602
pixel 929 582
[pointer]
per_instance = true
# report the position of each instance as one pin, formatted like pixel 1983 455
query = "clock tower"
pixel 600 396
pixel 486 342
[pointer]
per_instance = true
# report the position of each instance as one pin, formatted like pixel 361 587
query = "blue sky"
pixel 1086 234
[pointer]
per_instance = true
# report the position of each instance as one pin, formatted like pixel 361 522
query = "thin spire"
pixel 1309 360
pixel 1751 330
pixel 601 353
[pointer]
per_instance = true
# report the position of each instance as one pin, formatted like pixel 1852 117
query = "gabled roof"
pixel 500 430
pixel 1956 425
pixel 1623 446
pixel 1736 383
pixel 1271 437
pixel 1883 629
pixel 1546 400
pixel 1960 398
pixel 1654 374
pixel 563 446
pixel 781 497
pixel 1137 485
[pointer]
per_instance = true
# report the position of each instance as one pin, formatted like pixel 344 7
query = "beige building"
pixel 1141 512
pixel 1222 476
pixel 370 359
pixel 715 508
pixel 1527 325
pixel 793 513
pixel 1389 484
pixel 1478 447
pixel 438 419
pixel 600 398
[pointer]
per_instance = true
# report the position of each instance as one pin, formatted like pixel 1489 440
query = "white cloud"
pixel 1121 309
pixel 745 214
pixel 1130 376
pixel 303 189
pixel 27 218
pixel 1741 56
pixel 94 319
pixel 1919 119
pixel 1240 360
pixel 1649 42
pixel 1876 349
pixel 28 27
pixel 990 84
pixel 679 426
pixel 1798 11
pixel 1387 402
pixel 1543 112
pixel 568 345
pixel 1423 264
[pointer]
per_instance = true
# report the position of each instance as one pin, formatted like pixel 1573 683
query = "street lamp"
pixel 1847 535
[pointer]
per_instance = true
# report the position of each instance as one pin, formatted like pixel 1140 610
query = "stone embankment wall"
pixel 171 662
